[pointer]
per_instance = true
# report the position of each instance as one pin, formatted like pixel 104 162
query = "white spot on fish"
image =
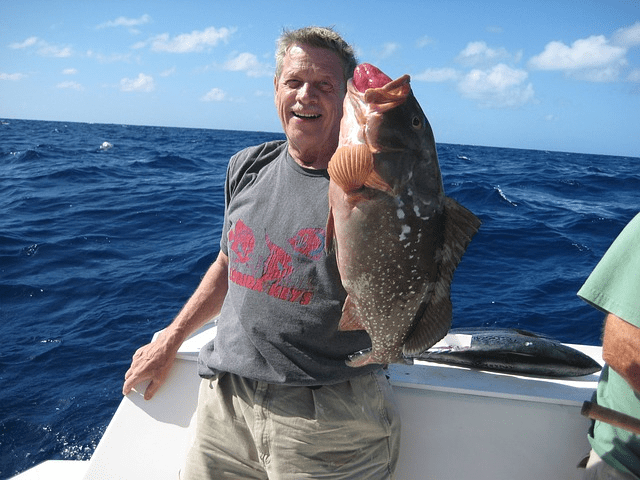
pixel 400 213
pixel 405 231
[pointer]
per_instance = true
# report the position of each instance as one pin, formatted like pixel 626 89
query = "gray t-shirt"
pixel 279 320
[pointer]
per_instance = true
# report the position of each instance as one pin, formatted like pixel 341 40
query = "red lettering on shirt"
pixel 278 265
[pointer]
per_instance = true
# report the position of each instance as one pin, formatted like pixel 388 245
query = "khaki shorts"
pixel 248 429
pixel 598 469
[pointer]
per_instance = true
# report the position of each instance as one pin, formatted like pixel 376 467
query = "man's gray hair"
pixel 322 37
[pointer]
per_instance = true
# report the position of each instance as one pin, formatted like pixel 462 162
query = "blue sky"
pixel 549 75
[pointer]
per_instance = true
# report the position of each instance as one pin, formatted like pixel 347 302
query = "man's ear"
pixel 275 90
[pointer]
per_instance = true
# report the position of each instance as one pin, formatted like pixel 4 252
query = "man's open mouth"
pixel 308 116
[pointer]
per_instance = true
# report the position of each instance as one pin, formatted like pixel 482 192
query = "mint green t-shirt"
pixel 614 287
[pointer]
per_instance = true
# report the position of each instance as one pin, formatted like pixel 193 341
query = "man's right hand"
pixel 154 361
pixel 151 362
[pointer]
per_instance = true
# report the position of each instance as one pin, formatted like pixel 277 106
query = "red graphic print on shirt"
pixel 309 242
pixel 242 241
pixel 274 276
pixel 278 265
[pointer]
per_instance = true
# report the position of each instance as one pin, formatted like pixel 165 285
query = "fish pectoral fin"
pixel 350 166
pixel 350 319
pixel 432 324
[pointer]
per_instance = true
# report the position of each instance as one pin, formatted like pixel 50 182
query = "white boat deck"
pixel 457 424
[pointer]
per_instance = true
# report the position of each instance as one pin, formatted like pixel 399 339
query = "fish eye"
pixel 416 122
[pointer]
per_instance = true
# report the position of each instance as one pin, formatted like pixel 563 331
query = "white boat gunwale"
pixel 457 423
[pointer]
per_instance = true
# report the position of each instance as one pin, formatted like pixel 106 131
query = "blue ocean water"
pixel 100 247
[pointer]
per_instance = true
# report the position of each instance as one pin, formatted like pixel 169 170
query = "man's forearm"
pixel 621 349
pixel 204 304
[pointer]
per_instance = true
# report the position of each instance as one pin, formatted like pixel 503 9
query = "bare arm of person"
pixel 621 349
pixel 154 360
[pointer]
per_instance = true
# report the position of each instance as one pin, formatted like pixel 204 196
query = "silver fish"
pixel 397 237
pixel 513 351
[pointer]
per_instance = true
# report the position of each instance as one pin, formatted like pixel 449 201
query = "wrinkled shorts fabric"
pixel 254 430
pixel 598 469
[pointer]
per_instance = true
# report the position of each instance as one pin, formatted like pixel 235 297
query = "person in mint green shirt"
pixel 614 288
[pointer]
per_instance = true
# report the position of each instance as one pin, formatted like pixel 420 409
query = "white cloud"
pixel 492 83
pixel 70 85
pixel 437 75
pixel 593 59
pixel 627 37
pixel 479 54
pixel 592 52
pixel 195 41
pixel 168 72
pixel 45 49
pixel 424 41
pixel 388 49
pixel 498 87
pixel 607 74
pixel 14 77
pixel 143 83
pixel 126 22
pixel 634 76
pixel 69 71
pixel 27 43
pixel 214 95
pixel 249 63
pixel 114 57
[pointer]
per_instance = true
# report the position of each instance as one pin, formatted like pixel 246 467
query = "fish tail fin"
pixel 434 322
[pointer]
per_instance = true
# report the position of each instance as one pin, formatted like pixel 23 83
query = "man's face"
pixel 308 96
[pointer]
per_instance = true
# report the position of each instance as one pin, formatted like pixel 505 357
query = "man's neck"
pixel 315 162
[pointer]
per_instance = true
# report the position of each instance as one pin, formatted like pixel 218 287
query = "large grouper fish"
pixel 398 239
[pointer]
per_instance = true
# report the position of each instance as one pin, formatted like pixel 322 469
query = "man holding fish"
pixel 279 397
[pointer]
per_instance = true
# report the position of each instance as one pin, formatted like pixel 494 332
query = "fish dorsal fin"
pixel 460 225
pixel 526 333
